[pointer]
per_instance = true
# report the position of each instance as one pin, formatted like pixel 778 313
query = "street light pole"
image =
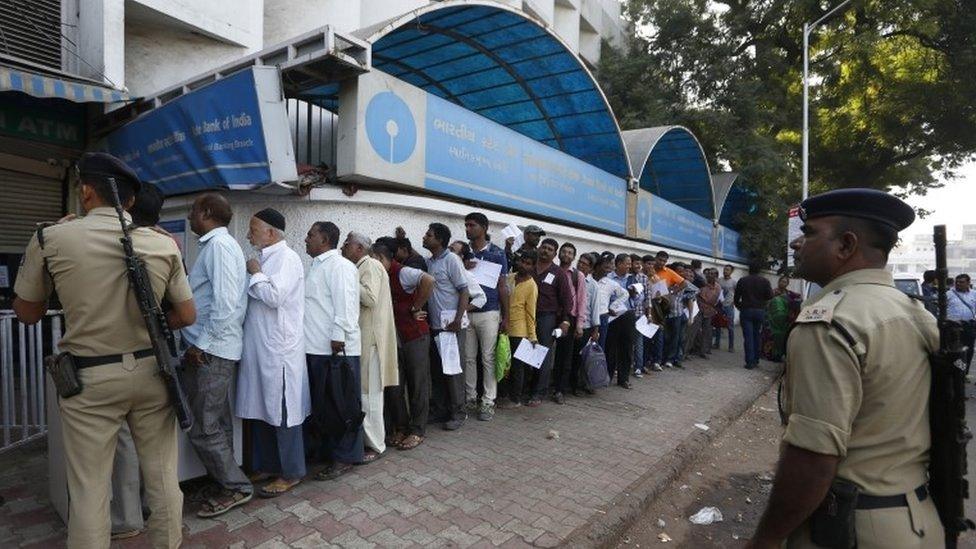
pixel 807 29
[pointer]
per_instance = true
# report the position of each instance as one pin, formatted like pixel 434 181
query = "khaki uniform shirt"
pixel 857 381
pixel 86 260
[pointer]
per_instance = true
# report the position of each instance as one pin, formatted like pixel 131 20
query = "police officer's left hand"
pixel 253 266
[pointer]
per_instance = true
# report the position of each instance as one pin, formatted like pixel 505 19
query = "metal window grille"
pixel 30 30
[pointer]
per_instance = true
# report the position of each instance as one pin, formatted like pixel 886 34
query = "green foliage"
pixel 892 97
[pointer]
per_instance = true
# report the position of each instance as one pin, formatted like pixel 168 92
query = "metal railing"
pixel 23 416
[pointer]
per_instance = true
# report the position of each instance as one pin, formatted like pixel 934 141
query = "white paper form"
pixel 487 273
pixel 447 348
pixel 512 231
pixel 447 317
pixel 533 356
pixel 646 327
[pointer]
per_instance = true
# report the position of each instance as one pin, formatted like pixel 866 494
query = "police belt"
pixel 865 501
pixel 91 361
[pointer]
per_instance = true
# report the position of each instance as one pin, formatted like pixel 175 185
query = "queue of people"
pixel 357 354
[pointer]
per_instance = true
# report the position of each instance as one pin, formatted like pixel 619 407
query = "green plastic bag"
pixel 503 357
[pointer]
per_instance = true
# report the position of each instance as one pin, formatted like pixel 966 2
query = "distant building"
pixel 914 256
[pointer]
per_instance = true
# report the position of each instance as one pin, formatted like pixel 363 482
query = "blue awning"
pixel 51 87
pixel 502 64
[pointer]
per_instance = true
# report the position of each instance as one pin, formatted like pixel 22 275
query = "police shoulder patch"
pixel 822 310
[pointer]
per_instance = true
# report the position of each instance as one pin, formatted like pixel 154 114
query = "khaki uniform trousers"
pixel 130 391
pixel 914 527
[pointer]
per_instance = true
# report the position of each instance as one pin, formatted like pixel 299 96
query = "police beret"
pixel 870 204
pixel 272 217
pixel 106 165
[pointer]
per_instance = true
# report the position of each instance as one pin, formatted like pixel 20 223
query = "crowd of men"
pixel 358 353
pixel 374 342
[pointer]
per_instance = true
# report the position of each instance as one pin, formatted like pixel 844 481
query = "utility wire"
pixel 52 40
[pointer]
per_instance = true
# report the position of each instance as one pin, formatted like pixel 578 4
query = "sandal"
pixel 258 476
pixel 410 442
pixel 396 439
pixel 277 487
pixel 225 502
pixel 369 456
pixel 333 471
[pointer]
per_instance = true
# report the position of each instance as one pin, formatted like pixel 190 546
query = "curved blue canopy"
pixel 672 165
pixel 741 201
pixel 499 63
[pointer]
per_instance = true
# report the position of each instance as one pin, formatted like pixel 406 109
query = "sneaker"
pixel 471 407
pixel 508 404
pixel 487 412
pixel 656 367
pixel 534 403
pixel 455 424
pixel 669 364
pixel 558 398
pixel 638 373
pixel 678 365
pixel 750 366
pixel 625 385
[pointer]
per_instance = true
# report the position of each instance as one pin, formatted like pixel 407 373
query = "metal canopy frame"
pixel 311 59
pixel 677 171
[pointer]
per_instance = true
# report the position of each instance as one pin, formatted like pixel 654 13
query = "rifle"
pixel 163 342
pixel 947 413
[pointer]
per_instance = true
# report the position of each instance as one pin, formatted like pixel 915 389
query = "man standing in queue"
pixel 106 336
pixel 856 389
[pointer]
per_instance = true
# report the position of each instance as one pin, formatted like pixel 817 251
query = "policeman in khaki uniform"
pixel 856 388
pixel 107 336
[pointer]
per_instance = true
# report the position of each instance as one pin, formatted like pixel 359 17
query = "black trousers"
pixel 446 392
pixel 406 406
pixel 620 344
pixel 563 365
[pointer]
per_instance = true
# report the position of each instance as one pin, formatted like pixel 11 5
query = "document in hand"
pixel 533 356
pixel 487 273
pixel 447 348
pixel 447 317
pixel 638 288
pixel 514 232
pixel 646 327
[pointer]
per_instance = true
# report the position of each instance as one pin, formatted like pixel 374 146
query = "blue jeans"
pixel 654 347
pixel 729 314
pixel 675 338
pixel 638 351
pixel 752 324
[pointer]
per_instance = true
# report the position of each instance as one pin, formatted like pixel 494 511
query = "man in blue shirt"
pixel 219 283
pixel 961 307
pixel 486 322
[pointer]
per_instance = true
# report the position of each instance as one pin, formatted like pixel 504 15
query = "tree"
pixel 892 104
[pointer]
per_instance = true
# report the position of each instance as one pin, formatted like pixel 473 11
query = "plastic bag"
pixel 503 357
pixel 706 515
pixel 595 366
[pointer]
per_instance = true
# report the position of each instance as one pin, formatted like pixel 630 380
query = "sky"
pixel 952 205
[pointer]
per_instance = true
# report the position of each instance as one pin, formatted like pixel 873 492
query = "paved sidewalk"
pixel 504 483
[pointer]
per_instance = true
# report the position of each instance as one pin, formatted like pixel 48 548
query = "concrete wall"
pixel 378 213
pixel 284 19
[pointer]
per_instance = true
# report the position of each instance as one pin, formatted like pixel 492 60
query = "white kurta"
pixel 273 360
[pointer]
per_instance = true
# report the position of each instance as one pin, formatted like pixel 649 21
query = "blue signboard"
pixel 472 157
pixel 210 138
pixel 731 245
pixel 673 225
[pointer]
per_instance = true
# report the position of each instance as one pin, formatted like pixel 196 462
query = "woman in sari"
pixel 780 314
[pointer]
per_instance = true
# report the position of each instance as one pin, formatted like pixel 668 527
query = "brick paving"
pixel 498 484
